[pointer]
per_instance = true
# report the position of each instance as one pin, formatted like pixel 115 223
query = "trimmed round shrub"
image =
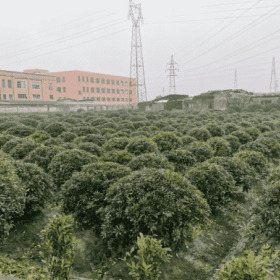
pixel 214 181
pixel 39 136
pixel 140 146
pixel 182 159
pixel 67 136
pixel 201 151
pixel 91 148
pixel 255 159
pixel 20 130
pixel 215 130
pixel 230 127
pixel 92 138
pixel 242 136
pixel 167 141
pixel 29 122
pixel 154 202
pixel 186 140
pixel 84 194
pixel 11 144
pixel 220 146
pixel 151 160
pixel 12 193
pixel 85 130
pixel 65 163
pixel 233 142
pixel 200 133
pixel 121 157
pixel 21 150
pixel 55 129
pixel 118 143
pixel 38 185
pixel 5 138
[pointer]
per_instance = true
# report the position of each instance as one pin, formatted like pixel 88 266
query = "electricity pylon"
pixel 137 71
pixel 235 80
pixel 172 69
pixel 273 82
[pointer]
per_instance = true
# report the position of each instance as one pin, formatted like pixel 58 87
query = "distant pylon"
pixel 137 71
pixel 273 82
pixel 172 69
pixel 163 91
pixel 235 80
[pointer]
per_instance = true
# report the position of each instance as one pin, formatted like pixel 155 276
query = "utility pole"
pixel 137 71
pixel 235 80
pixel 273 81
pixel 172 69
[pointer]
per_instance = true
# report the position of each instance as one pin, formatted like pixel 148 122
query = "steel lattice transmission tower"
pixel 273 82
pixel 137 70
pixel 172 69
pixel 235 80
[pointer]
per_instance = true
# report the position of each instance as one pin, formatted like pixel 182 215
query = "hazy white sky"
pixel 208 38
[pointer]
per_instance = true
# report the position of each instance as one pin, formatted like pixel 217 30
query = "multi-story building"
pixel 27 86
pixel 36 84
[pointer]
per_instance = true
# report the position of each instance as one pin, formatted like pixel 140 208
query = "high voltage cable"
pixel 229 38
pixel 65 39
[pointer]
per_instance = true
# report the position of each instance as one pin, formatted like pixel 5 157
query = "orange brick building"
pixel 36 85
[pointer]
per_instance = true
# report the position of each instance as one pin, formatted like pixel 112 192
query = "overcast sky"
pixel 208 38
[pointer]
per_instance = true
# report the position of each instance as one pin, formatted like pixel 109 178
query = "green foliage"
pixel 155 202
pixel 11 144
pixel 5 138
pixel 220 146
pixel 167 141
pixel 233 142
pixel 58 247
pixel 121 157
pixel 20 130
pixel 67 136
pixel 200 133
pixel 242 136
pixel 215 129
pixel 65 163
pixel 21 150
pixel 12 195
pixel 148 259
pixel 150 160
pixel 55 129
pixel 118 143
pixel 84 193
pixel 252 266
pixel 39 136
pixel 201 150
pixel 255 159
pixel 214 181
pixel 38 184
pixel 140 146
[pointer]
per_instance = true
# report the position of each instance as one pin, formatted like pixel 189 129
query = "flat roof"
pixel 44 75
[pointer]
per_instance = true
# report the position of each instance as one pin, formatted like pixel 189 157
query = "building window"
pixel 92 89
pixel 93 98
pixel 126 91
pixel 11 97
pixel 97 80
pixel 87 79
pixel 64 89
pixel 3 83
pixel 9 83
pixel 122 99
pixel 35 85
pixel 125 83
pixel 58 79
pixel 130 91
pixel 113 82
pixel 108 82
pixel 22 96
pixel 130 84
pixel 83 78
pixel 118 82
pixel 113 99
pixel 108 99
pixel 126 99
pixel 122 91
pixel 51 97
pixel 0 96
pixel 87 89
pixel 79 78
pixel 102 81
pixel 103 99
pixel 98 90
pixel 59 89
pixel 63 79
pixel 36 96
pixel 118 91
pixel 98 98
pixel 130 99
pixel 21 84
pixel 118 99
pixel 80 93
pixel 92 80
pixel 4 96
pixel 122 83
pixel 50 86
pixel 84 89
pixel 108 90
pixel 103 90
pixel 113 90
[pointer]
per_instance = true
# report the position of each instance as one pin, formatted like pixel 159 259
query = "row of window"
pixel 21 84
pixel 103 81
pixel 103 90
pixel 21 96
pixel 108 99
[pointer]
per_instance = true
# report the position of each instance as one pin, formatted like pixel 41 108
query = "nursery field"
pixel 133 195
